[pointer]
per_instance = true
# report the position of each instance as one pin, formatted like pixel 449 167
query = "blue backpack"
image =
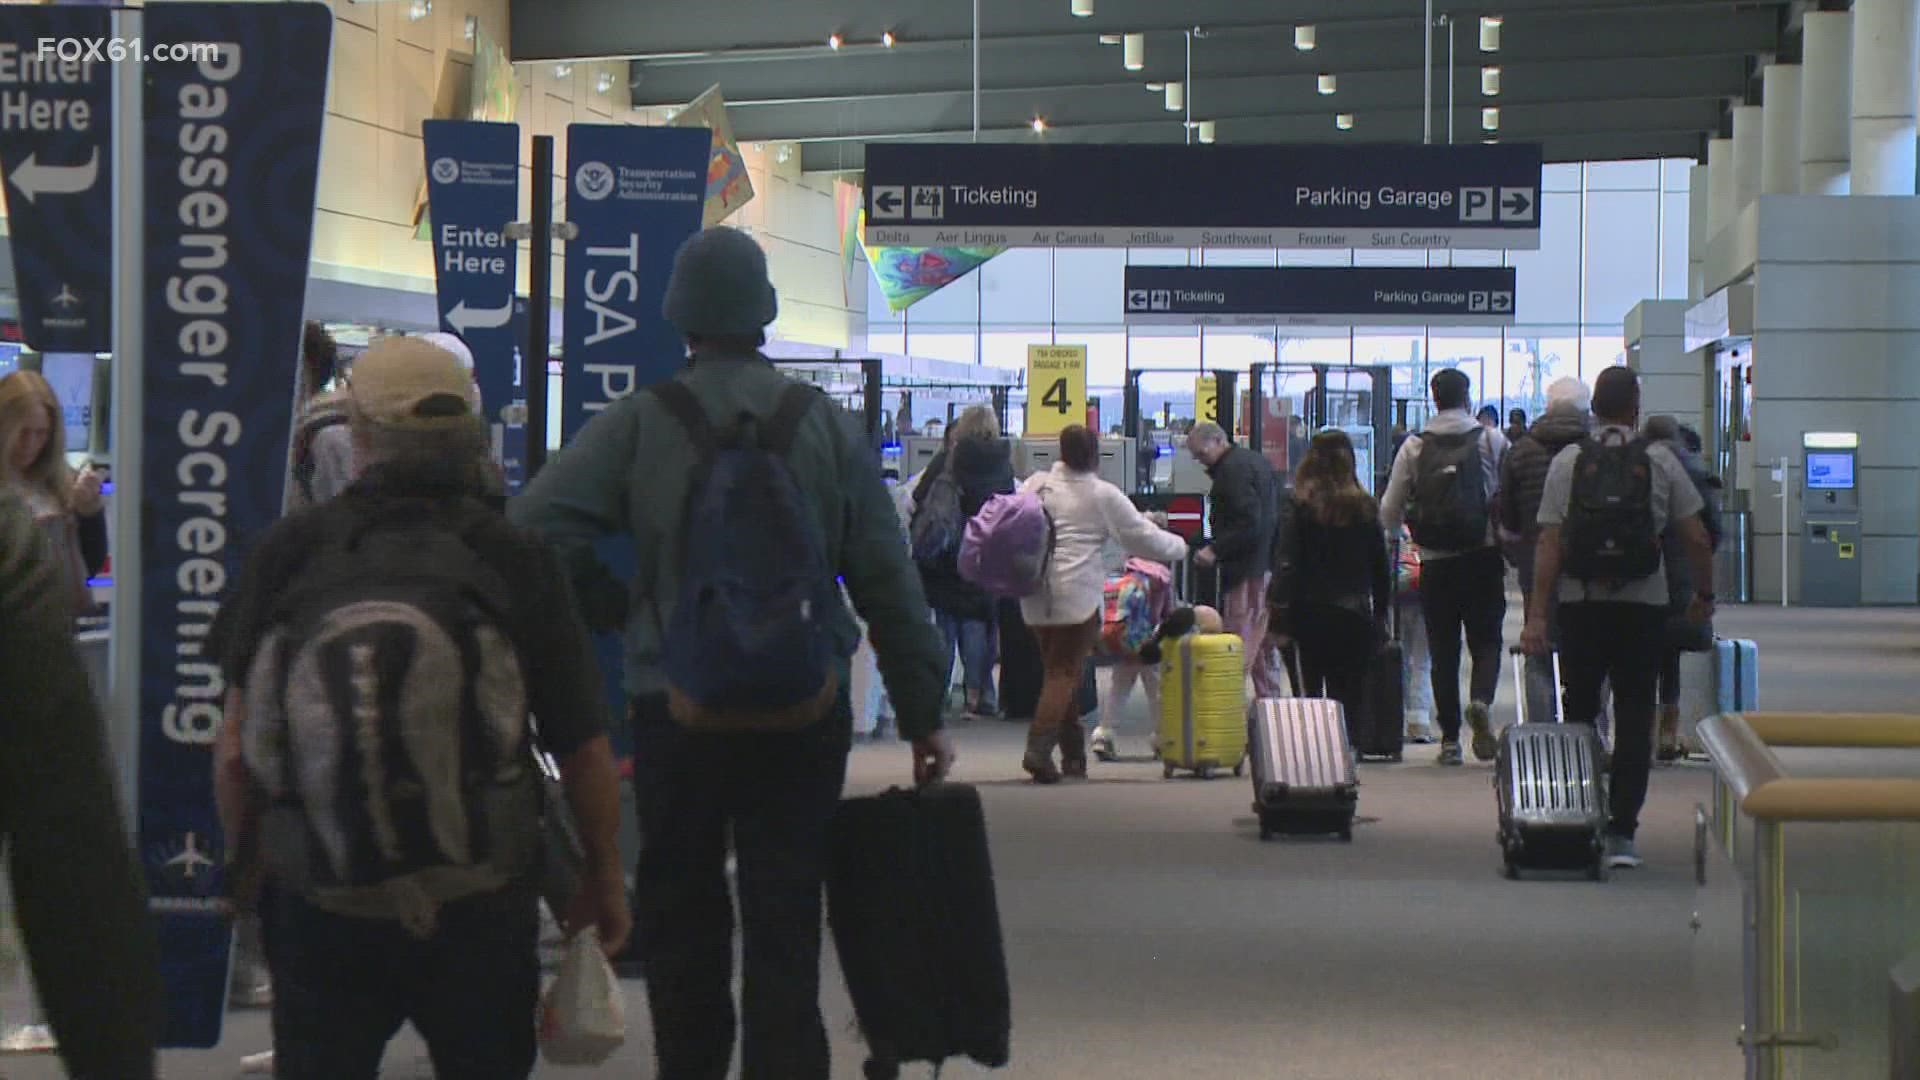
pixel 747 648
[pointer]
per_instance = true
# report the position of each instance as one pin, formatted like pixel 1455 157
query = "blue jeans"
pixel 978 642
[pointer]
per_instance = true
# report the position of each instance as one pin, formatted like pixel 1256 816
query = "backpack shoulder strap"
pixel 778 433
pixel 685 408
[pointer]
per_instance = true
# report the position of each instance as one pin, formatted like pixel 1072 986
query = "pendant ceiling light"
pixel 1490 33
pixel 1303 38
pixel 1133 51
pixel 1083 9
pixel 1490 81
pixel 1328 84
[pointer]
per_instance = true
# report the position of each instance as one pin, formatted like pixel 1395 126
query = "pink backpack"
pixel 1007 545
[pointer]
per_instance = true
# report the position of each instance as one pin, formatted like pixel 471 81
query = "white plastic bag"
pixel 583 1015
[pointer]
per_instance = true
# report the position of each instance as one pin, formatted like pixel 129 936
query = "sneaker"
pixel 1480 719
pixel 29 1039
pixel 1621 854
pixel 1450 753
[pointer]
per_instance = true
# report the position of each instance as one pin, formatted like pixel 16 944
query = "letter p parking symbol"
pixel 1476 204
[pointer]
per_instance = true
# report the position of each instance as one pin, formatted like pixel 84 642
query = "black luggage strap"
pixel 680 403
pixel 778 433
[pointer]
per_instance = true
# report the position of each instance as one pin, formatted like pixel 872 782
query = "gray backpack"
pixel 387 722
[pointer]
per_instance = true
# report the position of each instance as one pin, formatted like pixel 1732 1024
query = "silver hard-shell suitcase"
pixel 1548 780
pixel 1303 778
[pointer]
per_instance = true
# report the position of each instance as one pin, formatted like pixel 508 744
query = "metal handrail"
pixel 1751 781
pixel 1741 747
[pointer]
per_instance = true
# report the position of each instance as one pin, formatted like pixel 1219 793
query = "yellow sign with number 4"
pixel 1056 388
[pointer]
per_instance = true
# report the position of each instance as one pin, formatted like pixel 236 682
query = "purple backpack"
pixel 1007 545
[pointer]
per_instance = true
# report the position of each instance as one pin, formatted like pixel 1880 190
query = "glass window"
pixel 1534 358
pixel 1106 362
pixel 1623 258
pixel 954 306
pixel 1159 257
pixel 1087 286
pixel 1676 174
pixel 1474 258
pixel 1623 176
pixel 1309 345
pixel 1017 288
pixel 1391 258
pixel 1471 350
pixel 1008 348
pixel 1235 349
pixel 1156 347
pixel 1600 351
pixel 943 345
pixel 1239 257
pixel 1561 176
pixel 1673 246
pixel 1315 257
pixel 1549 279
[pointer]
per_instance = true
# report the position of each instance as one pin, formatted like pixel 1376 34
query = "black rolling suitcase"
pixel 910 899
pixel 1549 784
pixel 1379 731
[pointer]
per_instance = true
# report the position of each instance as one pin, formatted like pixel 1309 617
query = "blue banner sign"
pixel 473 193
pixel 56 123
pixel 233 152
pixel 635 194
pixel 1244 196
pixel 1320 295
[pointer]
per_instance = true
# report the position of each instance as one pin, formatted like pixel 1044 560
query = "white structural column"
pixel 1886 84
pixel 1780 151
pixel 1720 191
pixel 1672 380
pixel 1826 102
pixel 1699 199
pixel 1749 130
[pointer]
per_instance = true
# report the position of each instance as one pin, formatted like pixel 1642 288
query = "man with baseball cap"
pixel 768 793
pixel 455 956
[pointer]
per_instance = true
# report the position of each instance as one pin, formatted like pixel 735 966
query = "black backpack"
pixel 1609 533
pixel 1448 511
pixel 748 647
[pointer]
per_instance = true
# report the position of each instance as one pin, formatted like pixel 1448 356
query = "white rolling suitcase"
pixel 1303 776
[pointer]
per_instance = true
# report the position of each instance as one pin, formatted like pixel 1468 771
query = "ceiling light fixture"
pixel 887 39
pixel 1490 119
pixel 1490 81
pixel 1134 51
pixel 603 82
pixel 1328 84
pixel 472 27
pixel 1039 125
pixel 1206 131
pixel 1082 9
pixel 1490 33
pixel 561 71
pixel 1156 87
pixel 1176 96
pixel 784 154
pixel 834 41
pixel 1109 39
pixel 1343 121
pixel 1303 38
pixel 419 9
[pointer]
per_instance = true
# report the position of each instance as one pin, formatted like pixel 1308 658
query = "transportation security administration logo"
pixel 446 170
pixel 594 181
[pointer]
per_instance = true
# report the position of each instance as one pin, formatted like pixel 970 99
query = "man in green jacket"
pixel 78 896
pixel 628 474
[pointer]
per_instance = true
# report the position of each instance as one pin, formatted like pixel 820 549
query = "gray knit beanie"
pixel 719 286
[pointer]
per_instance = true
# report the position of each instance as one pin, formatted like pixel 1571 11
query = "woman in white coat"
pixel 1087 512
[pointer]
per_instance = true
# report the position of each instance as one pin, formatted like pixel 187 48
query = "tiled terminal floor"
pixel 1152 936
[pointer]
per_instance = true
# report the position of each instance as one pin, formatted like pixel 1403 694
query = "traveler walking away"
pixel 1243 506
pixel 1489 417
pixel 1086 513
pixel 1135 603
pixel 320 462
pixel 1609 500
pixel 738 745
pixel 1416 665
pixel 1683 636
pixel 67 505
pixel 1516 425
pixel 78 894
pixel 1442 488
pixel 1335 601
pixel 410 609
pixel 975 465
pixel 1523 478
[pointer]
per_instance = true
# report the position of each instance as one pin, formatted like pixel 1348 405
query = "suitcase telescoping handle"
pixel 1520 659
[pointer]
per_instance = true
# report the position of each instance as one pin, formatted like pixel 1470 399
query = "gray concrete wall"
pixel 1837 348
pixel 1672 380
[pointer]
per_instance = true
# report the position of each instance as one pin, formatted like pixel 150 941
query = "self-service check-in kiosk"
pixel 1830 519
pixel 1116 459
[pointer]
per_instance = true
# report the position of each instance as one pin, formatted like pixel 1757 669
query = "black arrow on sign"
pixel 1516 204
pixel 887 202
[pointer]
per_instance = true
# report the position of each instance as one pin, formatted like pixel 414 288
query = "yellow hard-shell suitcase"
pixel 1203 705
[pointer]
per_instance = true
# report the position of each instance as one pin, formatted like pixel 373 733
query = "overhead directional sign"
pixel 55 126
pixel 473 192
pixel 1319 295
pixel 1092 195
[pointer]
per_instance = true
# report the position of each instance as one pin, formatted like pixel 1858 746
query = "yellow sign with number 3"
pixel 1056 388
pixel 1206 399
